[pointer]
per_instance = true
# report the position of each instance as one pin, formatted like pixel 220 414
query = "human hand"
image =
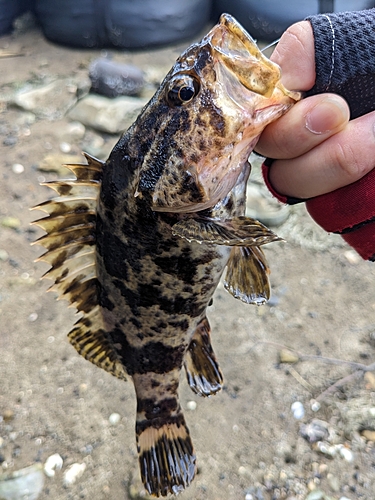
pixel 316 147
pixel 320 155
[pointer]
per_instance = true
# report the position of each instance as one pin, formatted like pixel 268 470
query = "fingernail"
pixel 326 116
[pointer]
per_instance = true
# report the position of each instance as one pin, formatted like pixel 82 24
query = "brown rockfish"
pixel 138 243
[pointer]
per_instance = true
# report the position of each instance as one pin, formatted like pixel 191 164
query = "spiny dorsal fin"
pixel 202 369
pixel 70 242
pixel 247 275
pixel 240 231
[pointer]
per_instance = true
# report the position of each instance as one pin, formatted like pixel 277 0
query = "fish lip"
pixel 234 48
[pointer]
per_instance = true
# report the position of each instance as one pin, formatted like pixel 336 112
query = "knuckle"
pixel 349 162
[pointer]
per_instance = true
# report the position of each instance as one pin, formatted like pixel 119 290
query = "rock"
pixel 333 482
pixel 369 435
pixel 25 484
pixel 107 115
pixel 72 132
pixel 316 430
pixel 113 79
pixel 53 463
pixel 50 101
pixel 73 473
pixel 55 163
pixel 8 415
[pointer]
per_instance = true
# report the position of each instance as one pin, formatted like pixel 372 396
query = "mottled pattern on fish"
pixel 138 244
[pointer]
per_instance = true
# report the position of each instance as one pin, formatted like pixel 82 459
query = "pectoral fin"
pixel 247 275
pixel 202 370
pixel 241 231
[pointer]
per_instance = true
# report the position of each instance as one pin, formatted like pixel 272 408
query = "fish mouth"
pixel 238 52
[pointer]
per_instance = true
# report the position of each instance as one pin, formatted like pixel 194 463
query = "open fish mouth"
pixel 238 51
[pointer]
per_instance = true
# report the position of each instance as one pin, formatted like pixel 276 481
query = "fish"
pixel 138 243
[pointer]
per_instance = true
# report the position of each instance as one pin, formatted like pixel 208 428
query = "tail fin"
pixel 166 455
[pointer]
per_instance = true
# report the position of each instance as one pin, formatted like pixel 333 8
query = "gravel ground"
pixel 290 422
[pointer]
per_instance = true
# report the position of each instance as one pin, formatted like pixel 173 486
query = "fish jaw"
pixel 237 94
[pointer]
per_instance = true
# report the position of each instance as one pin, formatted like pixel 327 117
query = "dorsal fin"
pixel 70 242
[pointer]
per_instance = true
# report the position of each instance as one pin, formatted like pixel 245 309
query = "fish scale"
pixel 138 243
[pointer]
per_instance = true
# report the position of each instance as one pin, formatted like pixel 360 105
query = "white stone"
pixel 191 405
pixel 18 168
pixel 73 473
pixel 114 418
pixel 298 410
pixel 53 463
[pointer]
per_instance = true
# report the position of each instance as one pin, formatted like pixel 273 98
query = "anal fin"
pixel 247 275
pixel 240 231
pixel 90 339
pixel 202 370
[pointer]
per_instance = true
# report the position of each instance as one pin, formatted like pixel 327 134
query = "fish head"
pixel 209 113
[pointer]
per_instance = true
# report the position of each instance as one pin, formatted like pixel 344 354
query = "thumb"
pixel 295 54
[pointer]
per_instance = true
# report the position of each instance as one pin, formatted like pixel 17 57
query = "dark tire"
pixel 9 11
pixel 131 24
pixel 267 19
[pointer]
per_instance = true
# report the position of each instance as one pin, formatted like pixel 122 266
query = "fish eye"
pixel 182 90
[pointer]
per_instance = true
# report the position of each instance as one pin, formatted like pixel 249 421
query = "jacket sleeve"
pixel 345 65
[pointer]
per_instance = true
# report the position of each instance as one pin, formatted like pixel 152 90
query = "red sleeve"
pixel 349 211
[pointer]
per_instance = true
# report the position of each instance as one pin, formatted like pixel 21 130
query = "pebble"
pixel 4 256
pixel 114 418
pixel 11 140
pixel 287 356
pixel 315 495
pixel 315 406
pixel 8 415
pixel 346 454
pixel 65 147
pixel 18 168
pixel 352 257
pixel 369 378
pixel 11 222
pixel 53 463
pixel 298 410
pixel 333 482
pixel 191 405
pixel 113 79
pixel 316 430
pixel 368 434
pixel 33 317
pixel 73 473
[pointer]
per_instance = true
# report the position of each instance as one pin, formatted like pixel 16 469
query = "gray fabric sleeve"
pixel 345 57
